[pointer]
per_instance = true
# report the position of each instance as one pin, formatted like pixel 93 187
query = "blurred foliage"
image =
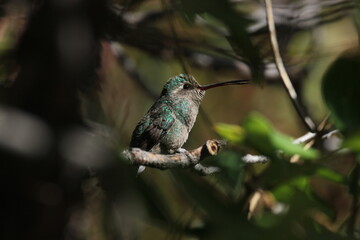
pixel 305 191
pixel 235 23
pixel 258 134
pixel 344 111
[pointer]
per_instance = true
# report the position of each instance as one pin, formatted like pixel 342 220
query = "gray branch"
pixel 188 159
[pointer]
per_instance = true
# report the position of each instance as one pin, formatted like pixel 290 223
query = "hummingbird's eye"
pixel 186 86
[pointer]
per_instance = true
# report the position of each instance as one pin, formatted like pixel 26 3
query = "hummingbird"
pixel 166 126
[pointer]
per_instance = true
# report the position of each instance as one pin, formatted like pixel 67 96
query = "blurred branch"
pixel 188 159
pixel 310 137
pixel 305 138
pixel 308 122
pixel 178 49
pixel 303 15
pixel 204 171
pixel 249 158
pixel 131 27
pixel 135 28
pixel 131 70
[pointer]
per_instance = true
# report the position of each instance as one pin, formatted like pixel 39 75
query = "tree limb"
pixel 187 159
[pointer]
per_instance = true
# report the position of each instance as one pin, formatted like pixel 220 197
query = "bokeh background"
pixel 76 76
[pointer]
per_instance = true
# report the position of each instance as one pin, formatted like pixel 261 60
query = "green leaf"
pixel 262 137
pixel 258 132
pixel 330 175
pixel 232 133
pixel 284 143
pixel 352 142
pixel 286 191
pixel 341 88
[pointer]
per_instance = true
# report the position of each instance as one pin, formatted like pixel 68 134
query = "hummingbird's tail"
pixel 140 170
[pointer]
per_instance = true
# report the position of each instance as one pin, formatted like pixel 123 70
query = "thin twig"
pixel 282 71
pixel 305 138
pixel 309 138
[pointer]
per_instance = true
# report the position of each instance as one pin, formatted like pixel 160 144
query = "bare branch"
pixel 186 159
pixel 282 71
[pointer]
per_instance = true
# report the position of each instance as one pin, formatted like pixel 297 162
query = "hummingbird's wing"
pixel 152 128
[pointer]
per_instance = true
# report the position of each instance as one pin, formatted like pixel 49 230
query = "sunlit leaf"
pixel 232 133
pixel 262 137
pixel 352 142
pixel 258 132
pixel 284 143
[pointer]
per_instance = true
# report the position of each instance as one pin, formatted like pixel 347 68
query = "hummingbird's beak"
pixel 233 82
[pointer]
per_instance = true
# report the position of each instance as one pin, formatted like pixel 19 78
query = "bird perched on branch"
pixel 167 124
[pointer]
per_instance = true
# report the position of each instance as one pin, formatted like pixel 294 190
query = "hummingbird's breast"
pixel 185 113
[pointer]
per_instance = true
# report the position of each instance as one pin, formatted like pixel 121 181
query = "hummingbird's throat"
pixel 214 85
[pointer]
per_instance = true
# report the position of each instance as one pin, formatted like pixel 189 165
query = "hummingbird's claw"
pixel 181 150
pixel 187 153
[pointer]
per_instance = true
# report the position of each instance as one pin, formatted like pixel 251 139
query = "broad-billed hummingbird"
pixel 167 124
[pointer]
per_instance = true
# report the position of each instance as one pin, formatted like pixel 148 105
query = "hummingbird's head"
pixel 183 85
pixel 186 86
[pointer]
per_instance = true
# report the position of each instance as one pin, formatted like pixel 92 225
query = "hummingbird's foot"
pixel 181 150
pixel 187 153
pixel 204 171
